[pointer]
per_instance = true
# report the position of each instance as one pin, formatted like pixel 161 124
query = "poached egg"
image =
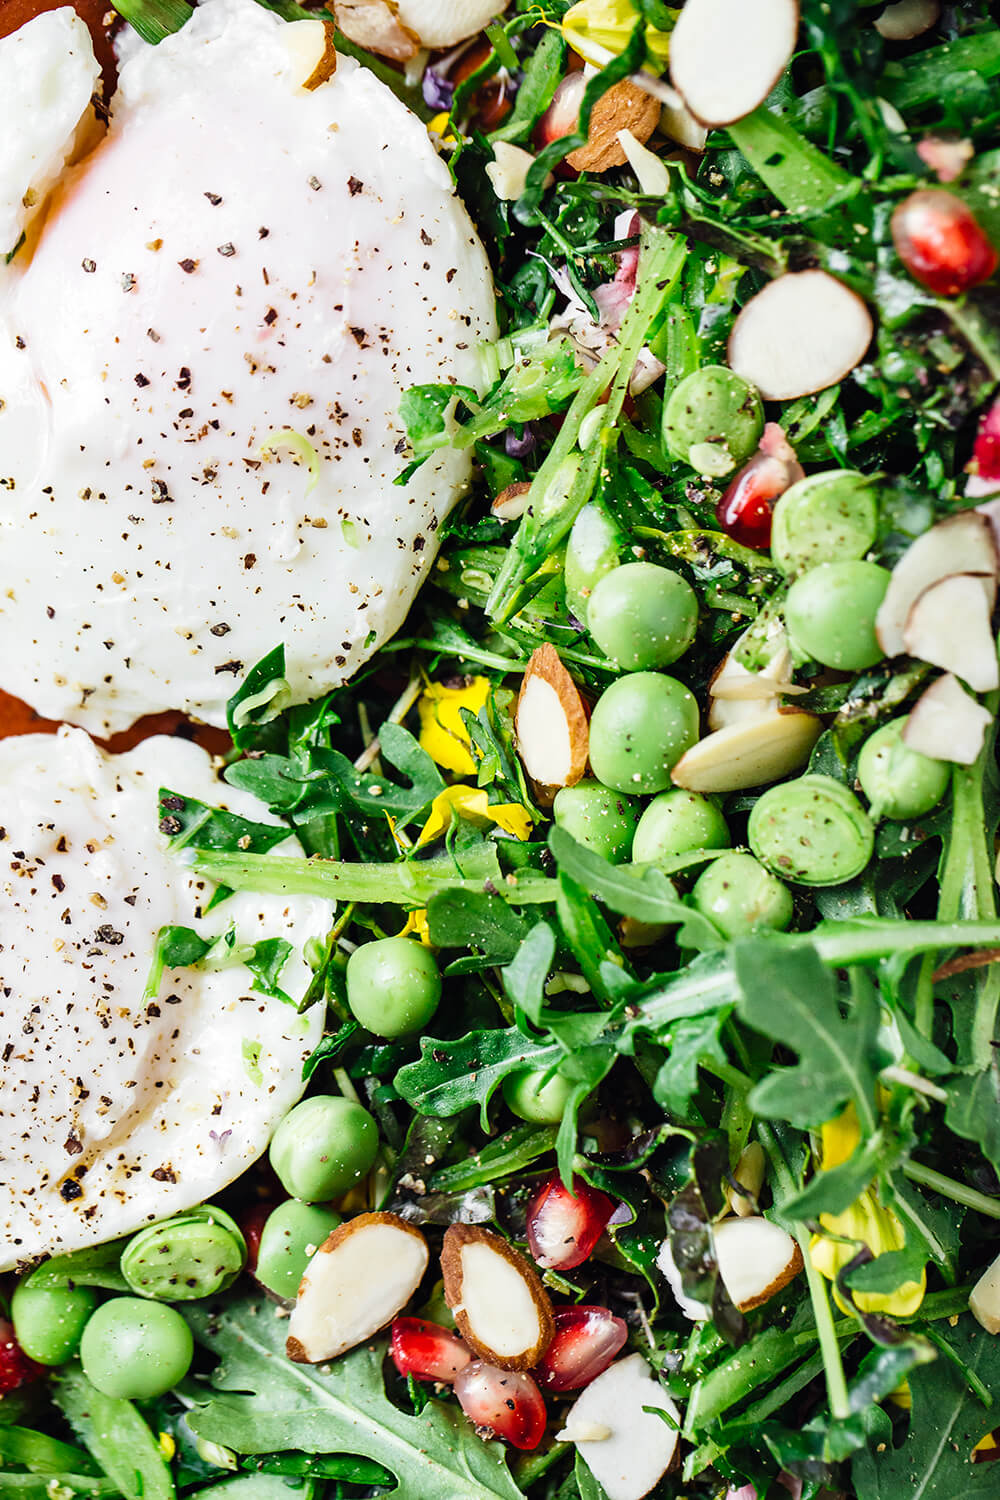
pixel 204 339
pixel 117 1110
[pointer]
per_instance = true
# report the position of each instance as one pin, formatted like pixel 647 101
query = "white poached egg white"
pixel 116 1111
pixel 239 257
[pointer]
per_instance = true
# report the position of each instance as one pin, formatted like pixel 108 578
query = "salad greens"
pixel 831 1064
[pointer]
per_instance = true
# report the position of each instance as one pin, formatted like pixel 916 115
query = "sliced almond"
pixel 748 754
pixel 640 1446
pixel 356 1283
pixel 623 107
pixel 756 1259
pixel 313 46
pixel 376 26
pixel 499 1304
pixel 508 171
pixel 678 124
pixel 727 55
pixel 984 1299
pixel 748 1173
pixel 651 171
pixel 442 23
pixel 805 331
pixel 963 543
pixel 906 19
pixel 949 625
pixel 512 502
pixel 552 725
pixel 698 1312
pixel 947 723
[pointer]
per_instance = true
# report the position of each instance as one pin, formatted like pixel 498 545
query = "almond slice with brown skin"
pixel 727 55
pixel 947 723
pixel 356 1283
pixel 552 725
pixel 375 25
pixel 312 44
pixel 964 543
pixel 950 626
pixel 907 19
pixel 805 331
pixel 756 1259
pixel 499 1304
pixel 512 502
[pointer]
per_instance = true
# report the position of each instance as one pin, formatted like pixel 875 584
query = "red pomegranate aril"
pixel 504 1403
pixel 16 1369
pixel 941 242
pixel 986 449
pixel 564 1226
pixel 251 1222
pixel 745 511
pixel 585 1343
pixel 427 1351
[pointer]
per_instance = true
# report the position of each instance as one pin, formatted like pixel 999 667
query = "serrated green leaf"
pixel 112 1430
pixel 262 1402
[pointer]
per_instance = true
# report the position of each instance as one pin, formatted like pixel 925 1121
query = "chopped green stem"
pixel 969 1375
pixel 795 171
pixel 728 1074
pixel 977 330
pixel 949 1188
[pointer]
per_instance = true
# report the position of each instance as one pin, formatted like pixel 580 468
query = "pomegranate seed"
pixel 986 450
pixel 586 1341
pixel 745 510
pixel 251 1222
pixel 564 1226
pixel 563 114
pixel 504 1403
pixel 16 1369
pixel 427 1350
pixel 941 242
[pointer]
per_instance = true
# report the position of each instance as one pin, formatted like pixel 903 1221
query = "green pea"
pixel 595 546
pixel 136 1349
pixel 900 783
pixel 291 1236
pixel 323 1147
pixel 643 616
pixel 531 1097
pixel 830 613
pixel 393 986
pixel 676 822
pixel 739 895
pixel 828 517
pixel 598 818
pixel 193 1255
pixel 640 728
pixel 49 1323
pixel 812 830
pixel 713 420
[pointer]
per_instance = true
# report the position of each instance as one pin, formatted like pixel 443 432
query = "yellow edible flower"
pixel 593 28
pixel 417 926
pixel 442 733
pixel 865 1222
pixel 472 803
pixel 166 1445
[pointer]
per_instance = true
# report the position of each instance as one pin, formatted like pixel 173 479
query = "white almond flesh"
pixel 906 19
pixel 950 626
pixel 805 331
pixel 640 1446
pixel 984 1299
pixel 512 502
pixel 678 124
pixel 500 1307
pixel 508 171
pixel 313 45
pixel 947 723
pixel 355 1284
pixel 749 754
pixel 551 723
pixel 756 1259
pixel 652 172
pixel 749 1174
pixel 963 543
pixel 698 1312
pixel 442 23
pixel 727 55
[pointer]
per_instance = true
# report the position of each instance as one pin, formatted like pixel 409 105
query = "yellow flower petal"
pixel 417 926
pixel 472 804
pixel 596 27
pixel 840 1138
pixel 442 733
pixel 865 1222
pixel 166 1445
pixel 901 1397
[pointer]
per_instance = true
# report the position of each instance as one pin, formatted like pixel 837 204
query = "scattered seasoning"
pixel 227 249
pixel 90 266
pixel 188 265
pixel 183 378
pixel 214 199
pixel 315 184
pixel 270 316
pixel 354 186
pixel 128 281
pixel 141 379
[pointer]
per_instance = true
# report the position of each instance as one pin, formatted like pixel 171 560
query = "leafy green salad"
pixel 652 1143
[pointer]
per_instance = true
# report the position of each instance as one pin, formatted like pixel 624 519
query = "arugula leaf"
pixel 114 1432
pixel 266 963
pixel 451 1076
pixel 380 795
pixel 948 1419
pixel 791 997
pixel 42 1454
pixel 261 1402
pixel 472 919
pixel 186 821
pixel 155 19
pixel 525 975
pixel 691 1040
pixel 510 1152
